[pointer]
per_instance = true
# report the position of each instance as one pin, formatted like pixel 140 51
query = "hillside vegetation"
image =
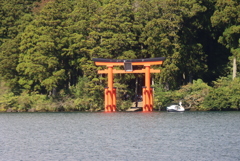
pixel 47 46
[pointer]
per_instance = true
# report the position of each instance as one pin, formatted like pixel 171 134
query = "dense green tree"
pixel 160 34
pixel 80 48
pixel 194 25
pixel 143 12
pixel 226 19
pixel 48 46
pixel 193 94
pixel 79 27
pixel 224 95
pixel 42 62
pixel 112 34
pixel 9 60
pixel 14 16
pixel 112 31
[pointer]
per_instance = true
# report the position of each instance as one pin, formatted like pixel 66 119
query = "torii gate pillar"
pixel 110 91
pixel 147 91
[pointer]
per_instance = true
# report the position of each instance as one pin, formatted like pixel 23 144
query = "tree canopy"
pixel 47 45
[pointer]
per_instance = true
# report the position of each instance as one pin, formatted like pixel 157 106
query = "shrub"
pixel 162 97
pixel 8 100
pixel 224 95
pixel 194 94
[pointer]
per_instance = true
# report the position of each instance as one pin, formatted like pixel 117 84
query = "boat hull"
pixel 172 110
pixel 175 108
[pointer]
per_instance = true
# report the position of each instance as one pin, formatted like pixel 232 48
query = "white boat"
pixel 176 108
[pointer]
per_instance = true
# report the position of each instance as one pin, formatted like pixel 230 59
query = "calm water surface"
pixel 121 136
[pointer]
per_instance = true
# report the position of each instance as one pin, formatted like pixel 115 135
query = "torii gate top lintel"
pixel 115 62
pixel 110 91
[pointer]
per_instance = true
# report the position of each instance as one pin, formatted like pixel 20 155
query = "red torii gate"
pixel 110 91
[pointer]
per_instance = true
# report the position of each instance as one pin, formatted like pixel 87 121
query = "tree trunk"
pixel 190 79
pixel 136 86
pixel 152 81
pixel 234 67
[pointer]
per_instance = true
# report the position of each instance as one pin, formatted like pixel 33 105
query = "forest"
pixel 47 47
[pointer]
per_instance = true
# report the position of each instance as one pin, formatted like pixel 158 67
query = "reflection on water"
pixel 120 136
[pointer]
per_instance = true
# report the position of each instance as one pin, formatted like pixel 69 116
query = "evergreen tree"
pixel 193 34
pixel 226 18
pixel 42 60
pixel 14 16
pixel 112 34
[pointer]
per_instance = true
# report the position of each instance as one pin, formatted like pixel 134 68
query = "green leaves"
pixel 231 37
pixel 112 30
pixel 48 45
pixel 226 13
pixel 227 17
pixel 43 46
pixel 225 95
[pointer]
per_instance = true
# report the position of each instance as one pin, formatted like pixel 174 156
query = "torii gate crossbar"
pixel 110 91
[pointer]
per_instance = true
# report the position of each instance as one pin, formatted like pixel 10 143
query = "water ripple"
pixel 121 136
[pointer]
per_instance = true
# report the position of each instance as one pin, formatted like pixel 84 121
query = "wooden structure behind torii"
pixel 110 91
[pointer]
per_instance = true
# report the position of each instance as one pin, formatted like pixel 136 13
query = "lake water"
pixel 120 136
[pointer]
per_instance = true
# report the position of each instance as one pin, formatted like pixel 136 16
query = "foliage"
pixel 47 46
pixel 123 101
pixel 162 97
pixel 85 98
pixel 192 95
pixel 8 101
pixel 42 49
pixel 7 98
pixel 224 95
pixel 226 18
